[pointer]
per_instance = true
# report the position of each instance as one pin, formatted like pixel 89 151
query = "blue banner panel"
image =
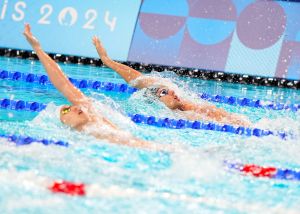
pixel 236 36
pixel 67 26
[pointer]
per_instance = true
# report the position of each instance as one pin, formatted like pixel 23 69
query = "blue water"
pixel 193 180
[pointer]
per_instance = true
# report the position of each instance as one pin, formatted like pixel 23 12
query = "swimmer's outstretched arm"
pixel 213 113
pixel 56 75
pixel 127 73
pixel 125 138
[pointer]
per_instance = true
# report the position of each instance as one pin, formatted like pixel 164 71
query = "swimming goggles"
pixel 66 110
pixel 163 92
pixel 154 92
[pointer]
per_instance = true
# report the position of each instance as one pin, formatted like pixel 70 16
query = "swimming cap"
pixel 151 91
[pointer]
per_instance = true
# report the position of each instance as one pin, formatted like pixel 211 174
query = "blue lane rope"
pixel 124 88
pixel 255 170
pixel 183 124
pixel 21 105
pixel 230 100
pixel 26 140
pixel 44 80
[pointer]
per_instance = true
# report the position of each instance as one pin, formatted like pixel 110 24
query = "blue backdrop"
pixel 67 26
pixel 237 36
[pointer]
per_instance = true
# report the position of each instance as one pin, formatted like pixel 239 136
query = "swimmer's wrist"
pixel 38 49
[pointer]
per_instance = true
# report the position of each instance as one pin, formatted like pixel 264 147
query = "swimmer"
pixel 82 115
pixel 160 89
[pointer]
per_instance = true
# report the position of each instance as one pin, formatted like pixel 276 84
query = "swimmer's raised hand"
pixel 100 49
pixel 125 71
pixel 30 38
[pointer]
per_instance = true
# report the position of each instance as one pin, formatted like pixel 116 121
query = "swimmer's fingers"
pixel 96 41
pixel 27 29
pixel 100 49
pixel 30 38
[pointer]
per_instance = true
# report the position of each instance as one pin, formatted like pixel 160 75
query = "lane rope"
pixel 26 140
pixel 95 190
pixel 264 171
pixel 247 102
pixel 20 105
pixel 124 88
pixel 44 80
pixel 246 169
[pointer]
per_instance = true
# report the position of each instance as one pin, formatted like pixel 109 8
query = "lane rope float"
pixel 124 88
pixel 20 105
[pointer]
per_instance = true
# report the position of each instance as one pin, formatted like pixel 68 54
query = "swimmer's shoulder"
pixel 148 81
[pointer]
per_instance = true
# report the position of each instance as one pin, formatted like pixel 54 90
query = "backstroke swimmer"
pixel 159 88
pixel 82 115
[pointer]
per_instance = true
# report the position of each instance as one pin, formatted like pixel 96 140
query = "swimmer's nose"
pixel 172 93
pixel 76 108
pixel 176 98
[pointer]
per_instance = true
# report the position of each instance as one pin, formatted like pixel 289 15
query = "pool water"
pixel 132 180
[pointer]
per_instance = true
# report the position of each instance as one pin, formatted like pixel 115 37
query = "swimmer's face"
pixel 74 116
pixel 168 97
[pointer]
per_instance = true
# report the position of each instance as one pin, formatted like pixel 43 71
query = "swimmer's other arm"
pixel 132 141
pixel 127 73
pixel 212 113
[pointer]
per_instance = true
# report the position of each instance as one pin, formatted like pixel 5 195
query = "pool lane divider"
pixel 247 102
pixel 124 88
pixel 209 126
pixel 264 171
pixel 20 105
pixel 26 140
pixel 68 188
pixel 94 190
pixel 77 189
pixel 44 80
pixel 270 172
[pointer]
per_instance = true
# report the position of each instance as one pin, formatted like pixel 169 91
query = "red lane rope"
pixel 69 188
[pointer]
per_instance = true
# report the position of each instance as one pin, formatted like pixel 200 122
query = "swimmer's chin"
pixel 86 125
pixel 80 127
